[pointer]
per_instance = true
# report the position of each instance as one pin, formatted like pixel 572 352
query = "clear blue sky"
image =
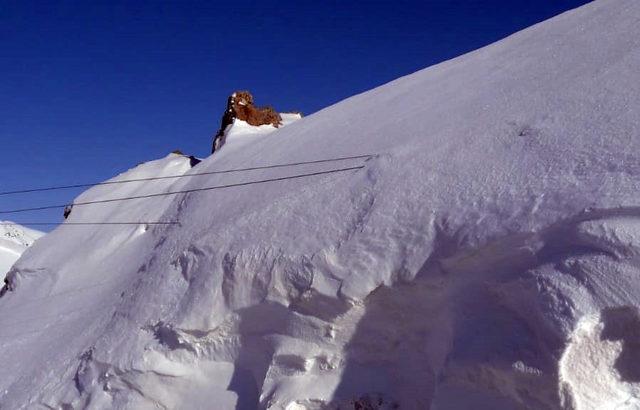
pixel 89 89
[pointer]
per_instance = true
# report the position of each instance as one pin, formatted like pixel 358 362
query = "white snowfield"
pixel 14 240
pixel 487 256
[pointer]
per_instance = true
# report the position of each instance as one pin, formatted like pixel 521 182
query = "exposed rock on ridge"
pixel 240 105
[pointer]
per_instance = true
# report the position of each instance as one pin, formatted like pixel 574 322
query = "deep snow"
pixel 14 240
pixel 486 257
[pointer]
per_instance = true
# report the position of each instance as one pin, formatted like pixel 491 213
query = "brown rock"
pixel 240 105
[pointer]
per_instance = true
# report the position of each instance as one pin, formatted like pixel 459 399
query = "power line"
pixel 41 208
pixel 227 171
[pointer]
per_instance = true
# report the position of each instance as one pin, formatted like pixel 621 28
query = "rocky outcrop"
pixel 240 105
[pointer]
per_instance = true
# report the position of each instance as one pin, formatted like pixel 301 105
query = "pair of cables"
pixel 186 191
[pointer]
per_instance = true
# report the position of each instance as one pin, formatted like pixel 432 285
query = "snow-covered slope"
pixel 487 256
pixel 240 133
pixel 14 240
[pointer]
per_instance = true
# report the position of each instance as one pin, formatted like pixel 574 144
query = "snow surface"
pixel 240 133
pixel 486 257
pixel 14 240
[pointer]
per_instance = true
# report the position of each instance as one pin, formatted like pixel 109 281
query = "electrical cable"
pixel 227 171
pixel 41 208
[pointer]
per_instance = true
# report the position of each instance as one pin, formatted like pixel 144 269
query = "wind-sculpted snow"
pixel 14 240
pixel 485 257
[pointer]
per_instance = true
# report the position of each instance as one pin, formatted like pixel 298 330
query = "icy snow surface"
pixel 487 257
pixel 14 240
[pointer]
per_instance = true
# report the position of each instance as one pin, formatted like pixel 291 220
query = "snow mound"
pixel 240 133
pixel 14 240
pixel 600 368
pixel 485 256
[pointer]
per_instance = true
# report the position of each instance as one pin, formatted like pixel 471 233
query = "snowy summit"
pixel 242 119
pixel 479 249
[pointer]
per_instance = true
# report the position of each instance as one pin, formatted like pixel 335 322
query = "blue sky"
pixel 89 89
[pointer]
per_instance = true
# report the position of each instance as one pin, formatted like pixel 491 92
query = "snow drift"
pixel 486 256
pixel 14 240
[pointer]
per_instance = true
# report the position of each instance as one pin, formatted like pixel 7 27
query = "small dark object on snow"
pixel 193 161
pixel 6 288
pixel 67 211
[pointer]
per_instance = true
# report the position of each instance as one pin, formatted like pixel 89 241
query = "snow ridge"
pixel 14 240
pixel 487 257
